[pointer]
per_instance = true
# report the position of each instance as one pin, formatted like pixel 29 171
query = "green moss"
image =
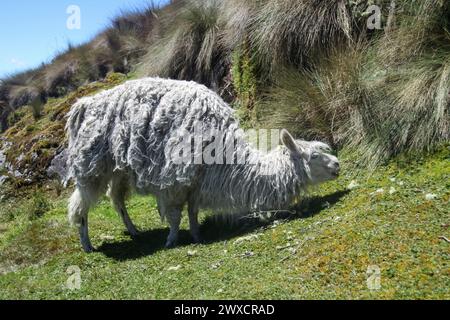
pixel 30 128
pixel 116 78
pixel 15 117
pixel 39 205
pixel 245 86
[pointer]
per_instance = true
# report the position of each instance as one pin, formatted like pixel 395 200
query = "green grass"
pixel 322 253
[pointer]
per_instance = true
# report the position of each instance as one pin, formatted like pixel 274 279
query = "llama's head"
pixel 323 166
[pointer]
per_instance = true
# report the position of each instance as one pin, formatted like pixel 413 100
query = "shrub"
pixel 244 85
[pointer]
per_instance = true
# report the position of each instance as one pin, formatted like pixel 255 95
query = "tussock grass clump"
pixel 22 88
pixel 422 26
pixel 126 40
pixel 292 32
pixel 316 104
pixel 190 49
pixel 407 74
pixel 322 73
pixel 382 96
pixel 19 90
pixel 410 109
pixel 236 17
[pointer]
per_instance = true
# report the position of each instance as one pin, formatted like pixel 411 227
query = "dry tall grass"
pixel 381 96
pixel 315 67
pixel 190 47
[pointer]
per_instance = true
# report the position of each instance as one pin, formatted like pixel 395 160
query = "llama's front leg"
pixel 193 223
pixel 174 218
pixel 128 223
pixel 119 205
pixel 84 236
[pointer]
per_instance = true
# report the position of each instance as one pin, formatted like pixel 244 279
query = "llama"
pixel 123 138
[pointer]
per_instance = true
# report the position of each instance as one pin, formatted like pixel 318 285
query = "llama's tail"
pixel 75 118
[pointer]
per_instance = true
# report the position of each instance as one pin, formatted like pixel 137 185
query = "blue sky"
pixel 32 32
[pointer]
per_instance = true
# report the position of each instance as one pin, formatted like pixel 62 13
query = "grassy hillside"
pixel 323 250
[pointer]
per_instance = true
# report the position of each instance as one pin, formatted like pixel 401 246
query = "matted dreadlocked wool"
pixel 129 137
pixel 134 126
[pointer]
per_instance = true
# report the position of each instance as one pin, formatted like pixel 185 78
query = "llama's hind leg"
pixel 84 197
pixel 78 216
pixel 118 192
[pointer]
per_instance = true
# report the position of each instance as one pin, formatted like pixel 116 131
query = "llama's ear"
pixel 289 141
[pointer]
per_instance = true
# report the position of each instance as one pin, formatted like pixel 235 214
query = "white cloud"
pixel 17 62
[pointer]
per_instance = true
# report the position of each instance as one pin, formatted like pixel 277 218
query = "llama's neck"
pixel 270 184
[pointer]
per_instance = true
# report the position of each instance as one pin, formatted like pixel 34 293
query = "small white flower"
pixel 392 179
pixel 287 245
pixel 178 267
pixel 401 183
pixel 275 224
pixel 247 238
pixel 248 254
pixel 192 253
pixel 430 196
pixel 326 205
pixel 220 291
pixel 106 237
pixel 392 190
pixel 353 185
pixel 379 191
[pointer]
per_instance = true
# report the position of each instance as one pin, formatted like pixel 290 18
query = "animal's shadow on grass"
pixel 215 229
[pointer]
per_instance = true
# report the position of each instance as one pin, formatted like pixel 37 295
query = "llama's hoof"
pixel 197 239
pixel 132 233
pixel 88 248
pixel 170 244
